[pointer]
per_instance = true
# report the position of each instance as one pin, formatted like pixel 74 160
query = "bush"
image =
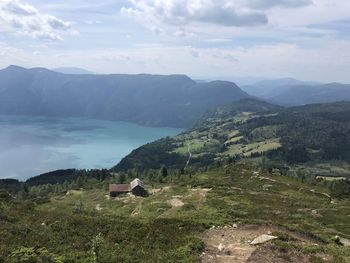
pixel 33 255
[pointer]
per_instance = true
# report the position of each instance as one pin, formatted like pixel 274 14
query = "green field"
pixel 257 147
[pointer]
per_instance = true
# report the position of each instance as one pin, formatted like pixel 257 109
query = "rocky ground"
pixel 234 244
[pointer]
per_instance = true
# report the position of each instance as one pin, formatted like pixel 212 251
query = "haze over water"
pixel 30 145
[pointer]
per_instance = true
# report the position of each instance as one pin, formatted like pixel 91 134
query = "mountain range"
pixel 153 100
pixel 269 88
pixel 72 70
pixel 292 92
pixel 306 94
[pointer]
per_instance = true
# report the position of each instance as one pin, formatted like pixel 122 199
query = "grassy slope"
pixel 207 140
pixel 298 137
pixel 152 230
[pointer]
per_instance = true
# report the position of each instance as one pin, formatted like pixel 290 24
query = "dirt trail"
pixel 189 155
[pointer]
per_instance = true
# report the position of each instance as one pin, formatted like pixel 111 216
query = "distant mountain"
pixel 268 89
pixel 300 95
pixel 154 100
pixel 256 131
pixel 72 70
pixel 240 81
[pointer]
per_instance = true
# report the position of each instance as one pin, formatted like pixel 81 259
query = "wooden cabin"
pixel 136 187
pixel 118 189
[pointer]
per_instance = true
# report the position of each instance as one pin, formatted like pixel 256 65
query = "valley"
pixel 167 131
pixel 244 171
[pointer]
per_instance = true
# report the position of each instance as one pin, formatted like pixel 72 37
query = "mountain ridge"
pixel 151 100
pixel 325 93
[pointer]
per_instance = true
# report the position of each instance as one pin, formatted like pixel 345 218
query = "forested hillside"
pixel 257 131
pixel 153 100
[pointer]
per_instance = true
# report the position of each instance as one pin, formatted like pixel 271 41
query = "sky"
pixel 206 39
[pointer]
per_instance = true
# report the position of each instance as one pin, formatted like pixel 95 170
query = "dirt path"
pixel 189 155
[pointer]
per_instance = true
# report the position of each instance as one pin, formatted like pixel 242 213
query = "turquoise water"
pixel 30 145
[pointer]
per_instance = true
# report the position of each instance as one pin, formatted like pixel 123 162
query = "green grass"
pixel 256 147
pixel 152 230
pixel 194 146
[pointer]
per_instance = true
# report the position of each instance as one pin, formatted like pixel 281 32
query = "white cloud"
pixel 229 13
pixel 183 12
pixel 210 17
pixel 195 37
pixel 182 32
pixel 93 22
pixel 19 17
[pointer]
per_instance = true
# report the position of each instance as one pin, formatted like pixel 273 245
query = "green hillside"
pixel 185 219
pixel 252 130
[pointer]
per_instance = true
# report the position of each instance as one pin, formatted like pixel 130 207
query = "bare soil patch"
pixel 175 202
pixel 232 245
pixel 271 253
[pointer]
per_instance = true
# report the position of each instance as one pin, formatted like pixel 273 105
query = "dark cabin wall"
pixel 138 191
pixel 115 194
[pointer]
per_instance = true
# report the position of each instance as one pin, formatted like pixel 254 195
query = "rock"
pixel 327 195
pixel 234 226
pixel 262 239
pixel 221 247
pixel 342 241
pixel 266 187
pixel 176 202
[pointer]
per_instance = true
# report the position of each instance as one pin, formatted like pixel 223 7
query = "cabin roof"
pixel 136 182
pixel 119 188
